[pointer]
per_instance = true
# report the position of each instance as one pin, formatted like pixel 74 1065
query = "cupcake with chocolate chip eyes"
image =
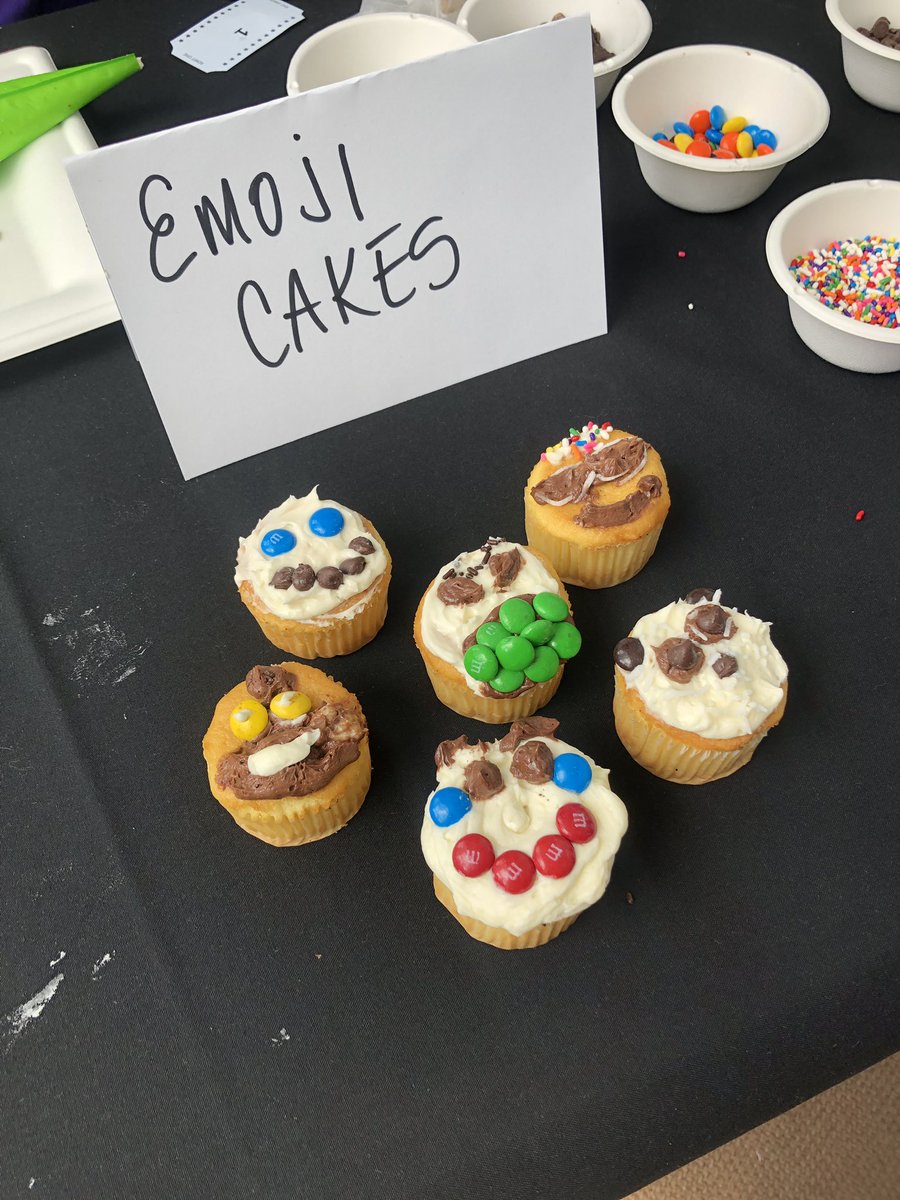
pixel 495 631
pixel 315 576
pixel 698 686
pixel 287 754
pixel 520 834
pixel 595 504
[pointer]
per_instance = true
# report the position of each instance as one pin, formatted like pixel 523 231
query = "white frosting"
pixel 275 758
pixel 706 704
pixel 514 819
pixel 318 552
pixel 446 626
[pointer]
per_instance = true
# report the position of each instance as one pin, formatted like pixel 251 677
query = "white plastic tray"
pixel 51 283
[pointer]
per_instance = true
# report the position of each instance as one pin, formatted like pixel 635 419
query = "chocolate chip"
pixel 700 594
pixel 532 762
pixel 679 659
pixel 303 577
pixel 329 577
pixel 482 779
pixel 362 545
pixel 353 566
pixel 683 655
pixel 725 665
pixel 629 653
pixel 281 579
pixel 460 591
pixel 528 727
pixel 709 623
pixel 446 751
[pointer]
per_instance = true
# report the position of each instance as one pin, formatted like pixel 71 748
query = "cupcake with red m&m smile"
pixel 520 834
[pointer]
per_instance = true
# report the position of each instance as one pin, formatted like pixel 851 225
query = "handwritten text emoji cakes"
pixel 315 576
pixel 288 754
pixel 595 505
pixel 520 834
pixel 698 686
pixel 495 631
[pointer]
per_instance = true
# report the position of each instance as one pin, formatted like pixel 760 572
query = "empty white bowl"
pixel 624 27
pixel 768 91
pixel 872 70
pixel 374 42
pixel 828 214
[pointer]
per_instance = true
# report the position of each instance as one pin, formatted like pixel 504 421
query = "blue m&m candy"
pixel 683 127
pixel 448 805
pixel 571 772
pixel 277 541
pixel 660 137
pixel 713 136
pixel 766 137
pixel 717 116
pixel 326 522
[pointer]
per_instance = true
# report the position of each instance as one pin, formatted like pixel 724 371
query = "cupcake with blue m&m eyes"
pixel 520 834
pixel 315 576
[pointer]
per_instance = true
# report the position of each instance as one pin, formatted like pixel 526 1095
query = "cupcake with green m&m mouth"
pixel 495 631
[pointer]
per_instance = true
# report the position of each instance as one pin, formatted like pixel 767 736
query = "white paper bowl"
pixel 872 70
pixel 373 42
pixel 827 214
pixel 766 90
pixel 624 27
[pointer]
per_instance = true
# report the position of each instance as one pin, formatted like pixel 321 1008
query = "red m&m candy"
pixel 699 147
pixel 513 871
pixel 554 856
pixel 576 823
pixel 700 121
pixel 473 854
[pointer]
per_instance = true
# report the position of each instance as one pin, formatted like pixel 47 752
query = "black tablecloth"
pixel 239 1021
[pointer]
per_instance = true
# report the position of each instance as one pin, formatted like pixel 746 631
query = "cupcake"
pixel 698 686
pixel 288 754
pixel 595 505
pixel 495 631
pixel 315 576
pixel 520 834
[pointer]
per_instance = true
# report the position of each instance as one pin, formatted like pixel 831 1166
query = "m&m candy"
pixel 544 666
pixel 248 720
pixel 576 823
pixel 711 133
pixel 554 856
pixel 481 662
pixel 515 653
pixel 277 541
pixel 550 606
pixel 287 706
pixel 472 855
pixel 572 772
pixel 566 641
pixel 507 680
pixel 490 633
pixel 448 805
pixel 513 872
pixel 515 614
pixel 539 632
pixel 326 522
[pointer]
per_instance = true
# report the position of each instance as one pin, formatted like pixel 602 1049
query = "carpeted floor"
pixel 841 1145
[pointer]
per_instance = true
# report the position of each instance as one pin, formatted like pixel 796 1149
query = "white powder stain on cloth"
pixel 101 963
pixel 59 958
pixel 30 1011
pixel 283 1036
pixel 101 651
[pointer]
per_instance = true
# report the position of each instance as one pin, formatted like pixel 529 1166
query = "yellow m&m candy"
pixel 248 720
pixel 287 706
pixel 734 124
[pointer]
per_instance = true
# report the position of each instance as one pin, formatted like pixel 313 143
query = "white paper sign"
pixel 293 266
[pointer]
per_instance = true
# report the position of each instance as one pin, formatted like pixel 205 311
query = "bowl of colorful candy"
pixel 704 94
pixel 835 251
pixel 870 44
pixel 621 28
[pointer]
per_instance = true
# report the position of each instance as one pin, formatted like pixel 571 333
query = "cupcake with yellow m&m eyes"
pixel 595 505
pixel 315 575
pixel 287 754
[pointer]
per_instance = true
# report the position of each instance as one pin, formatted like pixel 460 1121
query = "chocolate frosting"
pixel 569 485
pixel 679 659
pixel 341 727
pixel 725 665
pixel 459 590
pixel 528 727
pixel 446 751
pixel 563 487
pixel 709 623
pixel 620 459
pixel 265 682
pixel 622 512
pixel 482 779
pixel 533 762
pixel 504 567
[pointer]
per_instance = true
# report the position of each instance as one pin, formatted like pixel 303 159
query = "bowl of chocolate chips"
pixel 620 29
pixel 870 43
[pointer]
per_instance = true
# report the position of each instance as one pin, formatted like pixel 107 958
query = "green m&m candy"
pixel 481 662
pixel 506 680
pixel 550 606
pixel 490 634
pixel 539 632
pixel 545 665
pixel 515 653
pixel 566 641
pixel 515 614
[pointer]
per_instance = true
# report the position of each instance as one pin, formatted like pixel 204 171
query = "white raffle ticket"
pixel 227 37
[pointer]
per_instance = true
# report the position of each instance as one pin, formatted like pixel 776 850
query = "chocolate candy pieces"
pixel 882 33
